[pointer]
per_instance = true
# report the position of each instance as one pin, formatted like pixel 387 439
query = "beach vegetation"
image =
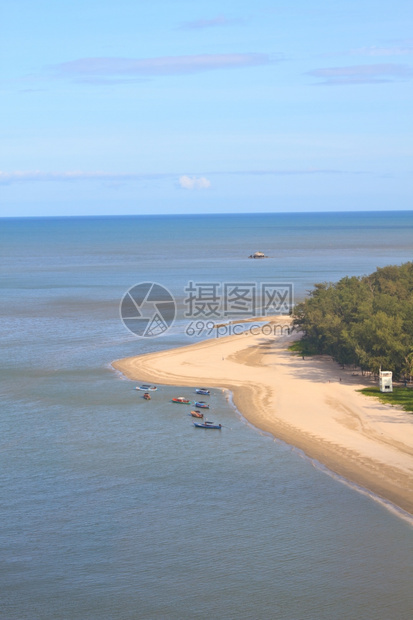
pixel 362 321
pixel 401 396
pixel 303 347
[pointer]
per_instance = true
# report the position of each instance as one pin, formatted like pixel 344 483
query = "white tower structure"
pixel 386 381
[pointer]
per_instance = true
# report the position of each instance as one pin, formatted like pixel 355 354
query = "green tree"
pixel 364 321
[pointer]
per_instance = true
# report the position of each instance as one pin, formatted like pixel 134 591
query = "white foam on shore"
pixel 393 508
pixel 119 374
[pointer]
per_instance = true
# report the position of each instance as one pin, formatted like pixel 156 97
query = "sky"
pixel 174 106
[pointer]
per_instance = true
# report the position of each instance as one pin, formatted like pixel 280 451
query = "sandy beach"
pixel 309 403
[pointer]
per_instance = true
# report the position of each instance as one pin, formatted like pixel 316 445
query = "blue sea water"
pixel 112 507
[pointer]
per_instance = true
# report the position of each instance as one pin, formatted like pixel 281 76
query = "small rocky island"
pixel 258 255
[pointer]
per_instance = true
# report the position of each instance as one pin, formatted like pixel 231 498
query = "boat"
pixel 147 388
pixel 196 414
pixel 203 391
pixel 181 400
pixel 201 405
pixel 207 425
pixel 147 396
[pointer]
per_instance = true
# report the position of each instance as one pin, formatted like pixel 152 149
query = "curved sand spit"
pixel 302 402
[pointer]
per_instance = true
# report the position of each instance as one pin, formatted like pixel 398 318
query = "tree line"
pixel 362 321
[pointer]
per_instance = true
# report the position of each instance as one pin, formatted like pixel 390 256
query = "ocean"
pixel 112 507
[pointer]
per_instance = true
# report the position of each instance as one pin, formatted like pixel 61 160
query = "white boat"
pixel 147 388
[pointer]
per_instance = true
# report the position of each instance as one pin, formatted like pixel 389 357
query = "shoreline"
pixel 311 404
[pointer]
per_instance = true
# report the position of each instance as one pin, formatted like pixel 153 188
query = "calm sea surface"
pixel 112 507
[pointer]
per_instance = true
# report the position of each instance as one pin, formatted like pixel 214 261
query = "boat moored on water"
pixel 181 400
pixel 201 405
pixel 147 388
pixel 203 391
pixel 147 396
pixel 207 425
pixel 196 414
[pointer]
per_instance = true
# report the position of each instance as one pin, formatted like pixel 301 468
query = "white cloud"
pixel 400 49
pixel 92 69
pixel 185 181
pixel 194 182
pixel 76 175
pixel 21 176
pixel 363 74
pixel 292 172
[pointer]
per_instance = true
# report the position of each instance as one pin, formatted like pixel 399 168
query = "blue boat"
pixel 203 391
pixel 207 425
pixel 201 405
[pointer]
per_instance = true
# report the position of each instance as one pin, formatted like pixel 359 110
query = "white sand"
pixel 302 402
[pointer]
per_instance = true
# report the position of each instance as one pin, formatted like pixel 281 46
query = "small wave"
pixel 396 510
pixel 388 505
pixel 118 373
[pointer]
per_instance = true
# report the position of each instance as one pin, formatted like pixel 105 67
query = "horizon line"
pixel 219 213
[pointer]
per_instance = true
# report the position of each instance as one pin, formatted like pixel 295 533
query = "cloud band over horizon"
pixel 185 181
pixel 363 74
pixel 90 68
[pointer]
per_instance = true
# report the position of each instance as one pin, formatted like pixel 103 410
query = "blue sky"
pixel 156 106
